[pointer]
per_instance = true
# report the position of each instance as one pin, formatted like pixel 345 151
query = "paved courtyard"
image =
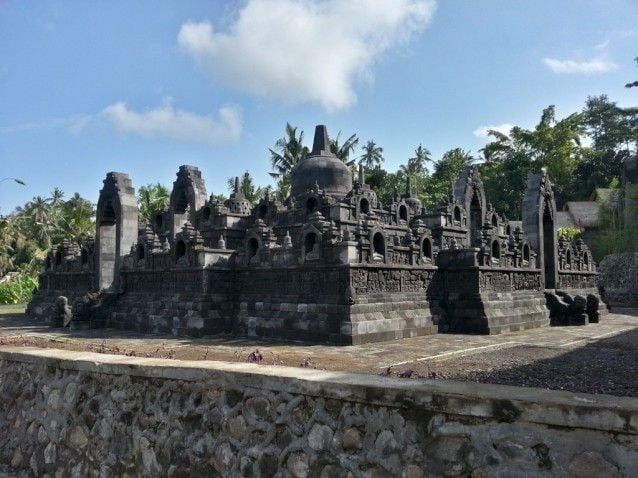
pixel 597 358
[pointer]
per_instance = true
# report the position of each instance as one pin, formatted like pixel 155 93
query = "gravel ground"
pixel 608 366
pixel 599 358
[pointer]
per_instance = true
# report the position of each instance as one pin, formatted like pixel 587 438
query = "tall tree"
pixel 446 172
pixel 152 199
pixel 509 158
pixel 288 152
pixel 418 163
pixel 76 220
pixel 372 155
pixel 343 151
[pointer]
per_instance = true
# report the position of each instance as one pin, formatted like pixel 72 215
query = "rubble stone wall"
pixel 86 414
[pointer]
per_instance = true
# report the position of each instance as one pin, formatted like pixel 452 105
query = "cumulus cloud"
pixel 303 50
pixel 578 67
pixel 167 121
pixel 483 131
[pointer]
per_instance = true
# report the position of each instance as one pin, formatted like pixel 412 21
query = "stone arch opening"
pixel 180 249
pixel 378 246
pixel 84 257
pixel 140 252
pixel 476 221
pixel 426 248
pixel 206 212
pixel 508 230
pixel 494 220
pixel 549 259
pixel 403 213
pixel 181 202
pixel 496 250
pixel 309 242
pixel 58 258
pixel 159 222
pixel 253 247
pixel 525 253
pixel 311 205
pixel 457 214
pixel 262 211
pixel 586 261
pixel 364 206
pixel 568 259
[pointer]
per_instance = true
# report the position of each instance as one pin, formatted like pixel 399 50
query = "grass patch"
pixel 12 309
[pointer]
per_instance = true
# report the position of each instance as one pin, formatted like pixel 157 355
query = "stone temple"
pixel 332 264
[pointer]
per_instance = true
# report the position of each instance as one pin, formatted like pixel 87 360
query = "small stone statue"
pixel 62 313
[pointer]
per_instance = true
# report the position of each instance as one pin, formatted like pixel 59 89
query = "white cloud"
pixel 303 50
pixel 579 67
pixel 73 124
pixel 167 121
pixel 483 131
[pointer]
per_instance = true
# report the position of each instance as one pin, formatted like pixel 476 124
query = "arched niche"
pixel 180 249
pixel 364 206
pixel 187 197
pixel 84 257
pixel 311 205
pixel 525 253
pixel 426 248
pixel 252 248
pixel 469 191
pixel 496 250
pixel 539 213
pixel 116 227
pixel 378 247
pixel 403 213
pixel 140 252
pixel 457 214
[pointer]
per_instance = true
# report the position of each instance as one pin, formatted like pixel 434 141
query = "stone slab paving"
pixel 369 358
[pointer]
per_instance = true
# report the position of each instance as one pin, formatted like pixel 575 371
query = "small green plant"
pixel 569 233
pixel 18 290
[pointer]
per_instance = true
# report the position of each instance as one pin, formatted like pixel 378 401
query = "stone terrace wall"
pixel 84 414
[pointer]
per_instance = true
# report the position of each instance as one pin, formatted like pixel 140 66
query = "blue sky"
pixel 143 87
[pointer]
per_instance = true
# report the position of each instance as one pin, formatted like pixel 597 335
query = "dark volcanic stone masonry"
pixel 330 264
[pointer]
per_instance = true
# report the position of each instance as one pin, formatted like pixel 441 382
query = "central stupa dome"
pixel 322 168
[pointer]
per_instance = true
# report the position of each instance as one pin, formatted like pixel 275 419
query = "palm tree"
pixel 344 150
pixel 372 155
pixel 37 214
pixel 417 164
pixel 288 152
pixel 152 200
pixel 76 220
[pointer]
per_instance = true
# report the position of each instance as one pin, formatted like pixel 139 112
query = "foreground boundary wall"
pixel 66 413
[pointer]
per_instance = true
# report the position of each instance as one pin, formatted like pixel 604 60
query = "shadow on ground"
pixel 607 366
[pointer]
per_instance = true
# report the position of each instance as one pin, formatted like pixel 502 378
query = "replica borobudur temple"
pixel 331 264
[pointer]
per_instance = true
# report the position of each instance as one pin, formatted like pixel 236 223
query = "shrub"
pixel 18 290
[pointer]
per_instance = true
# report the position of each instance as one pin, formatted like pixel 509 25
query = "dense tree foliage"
pixel 29 232
pixel 152 199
